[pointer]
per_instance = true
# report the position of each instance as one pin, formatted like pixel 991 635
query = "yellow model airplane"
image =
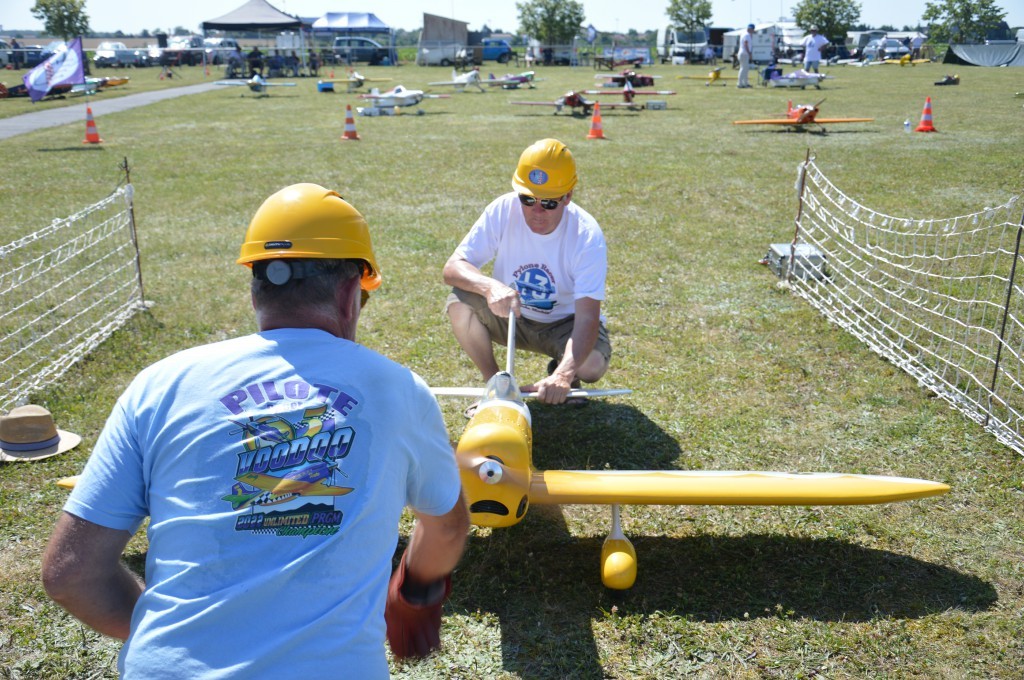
pixel 713 76
pixel 500 483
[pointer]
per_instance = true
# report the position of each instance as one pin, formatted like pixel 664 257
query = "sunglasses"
pixel 546 203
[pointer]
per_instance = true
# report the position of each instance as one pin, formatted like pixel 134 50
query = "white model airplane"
pixel 355 80
pixel 257 84
pixel 398 97
pixel 461 81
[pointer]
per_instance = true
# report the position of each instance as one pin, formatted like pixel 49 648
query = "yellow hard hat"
pixel 546 170
pixel 309 221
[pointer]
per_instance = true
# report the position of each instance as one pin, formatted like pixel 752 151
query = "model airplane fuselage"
pixel 399 96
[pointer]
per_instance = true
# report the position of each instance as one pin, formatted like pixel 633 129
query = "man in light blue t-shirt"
pixel 273 469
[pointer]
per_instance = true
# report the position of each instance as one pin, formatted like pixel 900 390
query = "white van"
pixel 762 44
pixel 676 44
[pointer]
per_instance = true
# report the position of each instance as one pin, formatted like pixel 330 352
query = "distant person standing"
pixel 915 46
pixel 709 55
pixel 16 53
pixel 746 56
pixel 813 42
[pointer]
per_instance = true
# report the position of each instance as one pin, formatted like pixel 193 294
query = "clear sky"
pixel 605 15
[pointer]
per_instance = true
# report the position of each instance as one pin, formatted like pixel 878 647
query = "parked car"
pixel 219 49
pixel 350 49
pixel 183 50
pixel 496 50
pixel 117 54
pixel 894 49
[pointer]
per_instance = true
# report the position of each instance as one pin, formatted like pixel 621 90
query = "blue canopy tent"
pixel 357 23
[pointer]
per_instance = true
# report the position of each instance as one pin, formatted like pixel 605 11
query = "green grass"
pixel 728 370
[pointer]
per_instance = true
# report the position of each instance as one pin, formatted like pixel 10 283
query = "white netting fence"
pixel 63 289
pixel 943 299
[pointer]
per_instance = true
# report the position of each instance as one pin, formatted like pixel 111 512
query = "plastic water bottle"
pixel 906 125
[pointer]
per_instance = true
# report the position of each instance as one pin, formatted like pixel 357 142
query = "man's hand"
pixel 551 390
pixel 413 613
pixel 502 300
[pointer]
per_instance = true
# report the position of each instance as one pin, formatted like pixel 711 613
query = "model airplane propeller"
pixel 500 483
pixel 799 116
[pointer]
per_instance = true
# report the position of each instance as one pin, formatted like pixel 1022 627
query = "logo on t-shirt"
pixel 536 286
pixel 292 444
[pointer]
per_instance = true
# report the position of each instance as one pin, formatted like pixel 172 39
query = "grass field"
pixel 728 370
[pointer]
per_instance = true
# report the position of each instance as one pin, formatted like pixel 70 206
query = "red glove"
pixel 413 614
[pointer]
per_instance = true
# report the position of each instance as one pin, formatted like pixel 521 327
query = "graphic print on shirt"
pixel 536 286
pixel 290 456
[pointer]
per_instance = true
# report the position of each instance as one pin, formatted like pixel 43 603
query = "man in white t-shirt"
pixel 273 468
pixel 550 264
pixel 813 42
pixel 746 55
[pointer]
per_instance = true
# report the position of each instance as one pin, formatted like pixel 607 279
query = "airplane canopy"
pixel 254 15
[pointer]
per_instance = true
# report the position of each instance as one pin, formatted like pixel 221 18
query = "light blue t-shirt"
pixel 274 469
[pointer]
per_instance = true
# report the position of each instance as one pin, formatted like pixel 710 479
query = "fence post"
pixel 1006 314
pixel 801 182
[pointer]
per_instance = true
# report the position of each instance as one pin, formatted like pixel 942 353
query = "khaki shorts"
pixel 534 336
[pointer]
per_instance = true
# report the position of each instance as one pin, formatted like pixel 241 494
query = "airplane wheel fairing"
pixel 618 564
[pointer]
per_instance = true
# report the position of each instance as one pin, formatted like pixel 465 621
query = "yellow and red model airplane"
pixel 801 115
pixel 500 483
pixel 713 76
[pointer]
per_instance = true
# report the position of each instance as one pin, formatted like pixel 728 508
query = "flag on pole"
pixel 591 34
pixel 64 67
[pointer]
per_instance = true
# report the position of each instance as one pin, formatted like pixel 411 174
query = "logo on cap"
pixel 538 177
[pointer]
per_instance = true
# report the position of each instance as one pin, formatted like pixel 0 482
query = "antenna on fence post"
pixel 801 182
pixel 130 196
pixel 1006 313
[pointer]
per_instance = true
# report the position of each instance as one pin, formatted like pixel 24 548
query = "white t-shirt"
pixel 813 43
pixel 274 469
pixel 746 44
pixel 550 272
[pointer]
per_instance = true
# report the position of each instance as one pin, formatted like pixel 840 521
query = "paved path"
pixel 37 120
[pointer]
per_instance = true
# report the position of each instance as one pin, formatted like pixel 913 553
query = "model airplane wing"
pixel 712 487
pixel 797 123
pixel 621 92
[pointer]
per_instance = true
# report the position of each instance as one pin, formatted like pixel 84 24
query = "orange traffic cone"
pixel 350 125
pixel 596 131
pixel 91 135
pixel 926 118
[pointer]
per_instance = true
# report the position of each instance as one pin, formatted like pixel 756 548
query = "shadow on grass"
pixel 544 587
pixel 84 147
pixel 600 435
